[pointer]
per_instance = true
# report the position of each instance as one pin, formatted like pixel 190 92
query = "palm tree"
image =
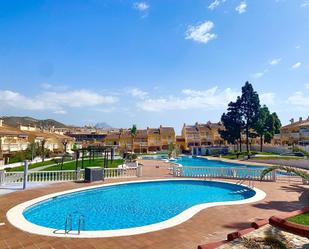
pixel 303 174
pixel 133 132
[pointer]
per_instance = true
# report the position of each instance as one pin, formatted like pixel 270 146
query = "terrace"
pixel 209 225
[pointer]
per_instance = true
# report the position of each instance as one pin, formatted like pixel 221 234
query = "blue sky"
pixel 151 62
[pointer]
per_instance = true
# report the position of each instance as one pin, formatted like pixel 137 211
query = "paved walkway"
pixel 209 225
pixel 9 188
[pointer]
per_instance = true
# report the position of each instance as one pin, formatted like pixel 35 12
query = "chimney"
pixel 292 120
pixel 300 119
pixel 1 122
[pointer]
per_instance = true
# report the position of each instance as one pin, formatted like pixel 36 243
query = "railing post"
pixel 174 170
pixel 78 174
pixel 274 175
pixel 25 174
pixel 139 172
pixel 2 175
pixel 180 170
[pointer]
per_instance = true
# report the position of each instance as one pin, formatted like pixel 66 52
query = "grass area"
pixel 277 158
pixel 264 156
pixel 232 156
pixel 32 166
pixel 98 162
pixel 264 153
pixel 302 219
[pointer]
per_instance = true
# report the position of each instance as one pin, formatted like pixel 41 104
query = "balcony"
pixel 14 147
pixel 143 144
pixel 304 134
pixel 294 135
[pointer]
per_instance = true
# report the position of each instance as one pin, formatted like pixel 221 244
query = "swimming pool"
pixel 214 166
pixel 128 208
pixel 155 157
pixel 203 162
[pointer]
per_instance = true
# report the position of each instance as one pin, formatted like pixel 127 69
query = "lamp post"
pixel 65 142
pixel 32 151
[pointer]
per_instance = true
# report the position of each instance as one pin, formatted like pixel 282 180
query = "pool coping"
pixel 16 218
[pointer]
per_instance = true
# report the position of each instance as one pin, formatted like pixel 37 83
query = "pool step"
pixel 69 222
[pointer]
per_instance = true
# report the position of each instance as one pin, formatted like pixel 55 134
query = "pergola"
pixel 91 152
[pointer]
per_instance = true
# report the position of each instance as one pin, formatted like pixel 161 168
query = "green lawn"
pixel 32 166
pixel 264 156
pixel 277 158
pixel 233 155
pixel 97 162
pixel 302 219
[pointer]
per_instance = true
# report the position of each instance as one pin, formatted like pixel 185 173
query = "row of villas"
pixel 201 134
pixel 152 139
pixel 297 132
pixel 18 139
pixel 146 140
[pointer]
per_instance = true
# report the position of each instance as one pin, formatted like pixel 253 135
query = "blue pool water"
pixel 200 162
pixel 217 165
pixel 155 157
pixel 132 204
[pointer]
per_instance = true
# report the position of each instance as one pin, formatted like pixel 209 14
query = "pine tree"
pixel 250 106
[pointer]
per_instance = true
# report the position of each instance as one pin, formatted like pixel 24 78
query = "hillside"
pixel 46 123
pixel 102 125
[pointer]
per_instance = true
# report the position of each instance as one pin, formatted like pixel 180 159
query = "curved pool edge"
pixel 16 218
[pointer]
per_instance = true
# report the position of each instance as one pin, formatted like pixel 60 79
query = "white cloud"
pixel 53 87
pixel 53 101
pixel 267 98
pixel 78 98
pixel 296 65
pixel 201 33
pixel 241 8
pixel 214 4
pixel 299 99
pixel 46 85
pixel 211 99
pixel 275 61
pixel 259 74
pixel 60 112
pixel 304 4
pixel 141 6
pixel 137 93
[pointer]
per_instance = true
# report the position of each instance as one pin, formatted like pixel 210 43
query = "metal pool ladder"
pixel 250 182
pixel 68 224
pixel 69 221
pixel 81 222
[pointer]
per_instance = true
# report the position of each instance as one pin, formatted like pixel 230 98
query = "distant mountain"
pixel 45 123
pixel 102 125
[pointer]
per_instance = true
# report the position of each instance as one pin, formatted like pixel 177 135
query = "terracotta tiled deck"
pixel 209 225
